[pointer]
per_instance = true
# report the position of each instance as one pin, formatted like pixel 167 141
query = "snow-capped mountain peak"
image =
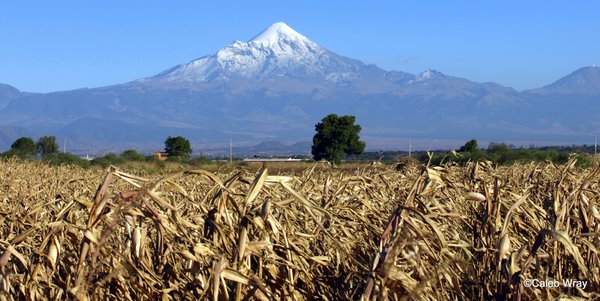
pixel 277 32
pixel 277 52
pixel 276 44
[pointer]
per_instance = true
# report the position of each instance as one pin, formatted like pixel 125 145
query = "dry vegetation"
pixel 465 233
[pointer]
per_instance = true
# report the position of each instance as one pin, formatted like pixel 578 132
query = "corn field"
pixel 472 232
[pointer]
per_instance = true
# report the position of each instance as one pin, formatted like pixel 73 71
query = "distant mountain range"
pixel 279 84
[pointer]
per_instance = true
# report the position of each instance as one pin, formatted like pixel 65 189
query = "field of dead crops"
pixel 474 232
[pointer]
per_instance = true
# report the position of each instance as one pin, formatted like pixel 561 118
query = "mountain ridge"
pixel 585 80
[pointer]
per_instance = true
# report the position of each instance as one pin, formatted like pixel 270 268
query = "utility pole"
pixel 230 152
pixel 595 144
pixel 409 147
pixel 65 146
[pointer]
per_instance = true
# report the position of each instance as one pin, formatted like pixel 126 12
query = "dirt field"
pixel 375 232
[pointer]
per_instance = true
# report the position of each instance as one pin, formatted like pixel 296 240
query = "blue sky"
pixel 59 45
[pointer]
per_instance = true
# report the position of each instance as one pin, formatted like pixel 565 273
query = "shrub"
pixel 132 155
pixel 66 159
pixel 107 160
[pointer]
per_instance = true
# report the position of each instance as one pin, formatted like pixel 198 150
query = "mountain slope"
pixel 584 81
pixel 8 93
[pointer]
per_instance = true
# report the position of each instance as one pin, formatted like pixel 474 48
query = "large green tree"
pixel 471 146
pixel 178 147
pixel 336 136
pixel 23 146
pixel 47 145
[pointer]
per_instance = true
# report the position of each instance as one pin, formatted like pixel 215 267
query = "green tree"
pixel 47 145
pixel 23 146
pixel 470 146
pixel 178 147
pixel 132 155
pixel 336 136
pixel 498 148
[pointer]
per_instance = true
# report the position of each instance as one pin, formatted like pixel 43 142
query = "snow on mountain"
pixel 278 32
pixel 277 52
pixel 425 75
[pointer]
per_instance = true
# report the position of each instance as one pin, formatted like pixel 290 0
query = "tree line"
pixel 336 138
pixel 499 153
pixel 47 149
